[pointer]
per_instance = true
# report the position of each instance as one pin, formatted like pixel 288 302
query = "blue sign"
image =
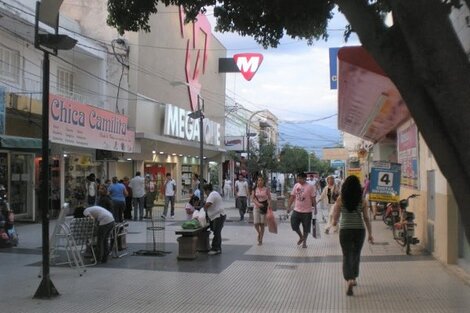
pixel 334 68
pixel 337 163
pixel 385 182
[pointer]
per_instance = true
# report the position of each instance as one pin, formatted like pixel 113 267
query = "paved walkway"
pixel 278 276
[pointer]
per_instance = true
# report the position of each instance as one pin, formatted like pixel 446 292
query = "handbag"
pixel 263 209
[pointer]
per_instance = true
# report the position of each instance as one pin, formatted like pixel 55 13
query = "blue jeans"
pixel 169 199
pixel 138 204
pixel 351 241
pixel 216 226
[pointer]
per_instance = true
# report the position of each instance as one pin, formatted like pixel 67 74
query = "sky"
pixel 292 82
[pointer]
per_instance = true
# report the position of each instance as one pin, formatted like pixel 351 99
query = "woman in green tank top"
pixel 353 212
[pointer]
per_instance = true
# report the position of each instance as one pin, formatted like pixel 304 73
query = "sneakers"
pixel 163 217
pixel 172 217
pixel 214 252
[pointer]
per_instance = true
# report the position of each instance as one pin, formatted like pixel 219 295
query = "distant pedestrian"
pixel 353 212
pixel 274 184
pixel 170 191
pixel 104 200
pixel 328 198
pixel 303 198
pixel 92 189
pixel 128 210
pixel 261 199
pixel 216 215
pixel 137 185
pixel 241 195
pixel 118 192
pixel 227 188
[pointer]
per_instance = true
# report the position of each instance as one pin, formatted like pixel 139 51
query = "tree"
pixel 434 81
pixel 263 159
pixel 292 160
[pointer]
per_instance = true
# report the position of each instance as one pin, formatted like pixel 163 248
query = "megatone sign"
pixel 248 63
pixel 179 124
pixel 245 63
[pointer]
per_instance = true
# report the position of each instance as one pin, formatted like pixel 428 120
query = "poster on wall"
pixel 385 182
pixel 356 172
pixel 408 155
pixel 77 124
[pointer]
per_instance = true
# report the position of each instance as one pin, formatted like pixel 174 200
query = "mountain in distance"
pixel 312 137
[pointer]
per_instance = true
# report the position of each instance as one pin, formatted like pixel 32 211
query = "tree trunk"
pixel 424 58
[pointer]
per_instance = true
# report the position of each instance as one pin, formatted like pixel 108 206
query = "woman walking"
pixel 261 199
pixel 328 198
pixel 353 211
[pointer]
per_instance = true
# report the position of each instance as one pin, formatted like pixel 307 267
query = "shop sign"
pixel 235 143
pixel 77 124
pixel 385 182
pixel 179 124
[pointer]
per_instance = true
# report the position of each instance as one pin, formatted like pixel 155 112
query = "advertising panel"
pixel 385 182
pixel 408 155
pixel 234 143
pixel 77 124
pixel 356 172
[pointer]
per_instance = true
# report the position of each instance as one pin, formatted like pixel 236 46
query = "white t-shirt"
pixel 137 185
pixel 242 187
pixel 216 208
pixel 100 214
pixel 170 188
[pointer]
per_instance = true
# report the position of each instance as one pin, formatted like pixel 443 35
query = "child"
pixel 191 206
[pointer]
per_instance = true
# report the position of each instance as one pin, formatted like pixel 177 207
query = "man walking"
pixel 241 194
pixel 170 191
pixel 137 185
pixel 303 194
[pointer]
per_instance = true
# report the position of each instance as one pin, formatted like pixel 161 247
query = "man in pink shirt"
pixel 303 194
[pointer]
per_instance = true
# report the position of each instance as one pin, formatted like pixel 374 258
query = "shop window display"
pixel 77 168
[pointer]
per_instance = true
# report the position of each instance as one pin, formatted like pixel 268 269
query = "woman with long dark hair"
pixel 353 211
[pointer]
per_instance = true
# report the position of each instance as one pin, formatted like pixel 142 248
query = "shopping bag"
pixel 271 221
pixel 315 229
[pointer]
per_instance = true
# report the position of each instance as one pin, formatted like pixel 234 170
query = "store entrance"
pixel 22 185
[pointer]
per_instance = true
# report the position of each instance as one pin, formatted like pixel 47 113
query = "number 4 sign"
pixel 385 182
pixel 385 179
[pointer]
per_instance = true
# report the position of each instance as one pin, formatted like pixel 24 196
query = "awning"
pixel 369 104
pixel 20 143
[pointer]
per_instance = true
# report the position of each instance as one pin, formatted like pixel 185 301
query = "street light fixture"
pixel 47 12
pixel 199 114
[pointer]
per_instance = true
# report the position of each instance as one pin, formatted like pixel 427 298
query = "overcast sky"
pixel 293 80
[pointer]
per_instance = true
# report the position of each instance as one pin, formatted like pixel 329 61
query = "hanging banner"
pixel 408 155
pixel 333 68
pixel 385 182
pixel 77 124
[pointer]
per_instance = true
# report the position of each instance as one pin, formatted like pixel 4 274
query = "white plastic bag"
pixel 200 216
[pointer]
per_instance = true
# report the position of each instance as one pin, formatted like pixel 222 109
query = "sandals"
pixel 300 241
pixel 349 291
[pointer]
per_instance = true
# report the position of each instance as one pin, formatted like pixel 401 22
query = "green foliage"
pixel 263 159
pixel 266 21
pixel 293 160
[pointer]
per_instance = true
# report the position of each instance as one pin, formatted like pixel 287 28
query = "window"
pixel 64 82
pixel 9 64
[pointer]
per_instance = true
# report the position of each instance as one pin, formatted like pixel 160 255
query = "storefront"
pixel 85 140
pixel 17 155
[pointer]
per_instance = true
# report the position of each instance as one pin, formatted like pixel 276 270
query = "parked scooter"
pixel 392 213
pixel 404 229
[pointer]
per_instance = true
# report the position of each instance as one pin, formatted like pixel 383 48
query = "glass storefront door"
pixel 22 185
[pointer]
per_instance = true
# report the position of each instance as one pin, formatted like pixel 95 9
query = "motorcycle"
pixel 404 229
pixel 8 235
pixel 392 213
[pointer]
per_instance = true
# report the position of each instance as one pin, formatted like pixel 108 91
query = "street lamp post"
pixel 199 114
pixel 47 12
pixel 248 134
